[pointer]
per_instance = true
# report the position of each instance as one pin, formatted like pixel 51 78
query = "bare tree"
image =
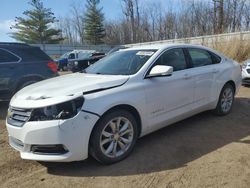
pixel 78 21
pixel 142 22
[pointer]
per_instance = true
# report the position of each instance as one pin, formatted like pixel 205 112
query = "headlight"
pixel 64 110
pixel 76 63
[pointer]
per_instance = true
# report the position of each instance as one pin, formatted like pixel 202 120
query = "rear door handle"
pixel 215 71
pixel 187 77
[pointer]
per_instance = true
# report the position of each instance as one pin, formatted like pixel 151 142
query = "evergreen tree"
pixel 35 26
pixel 94 27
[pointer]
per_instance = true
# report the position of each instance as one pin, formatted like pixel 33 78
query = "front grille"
pixel 17 117
pixel 248 70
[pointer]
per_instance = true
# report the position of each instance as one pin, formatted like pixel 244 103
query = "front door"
pixel 171 96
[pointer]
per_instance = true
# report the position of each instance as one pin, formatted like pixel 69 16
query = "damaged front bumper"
pixel 54 140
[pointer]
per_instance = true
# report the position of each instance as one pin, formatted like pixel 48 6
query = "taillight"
pixel 52 66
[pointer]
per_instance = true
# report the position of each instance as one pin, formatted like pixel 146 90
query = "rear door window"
pixel 200 57
pixel 6 57
pixel 216 59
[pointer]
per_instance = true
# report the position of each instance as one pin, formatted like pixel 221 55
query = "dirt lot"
pixel 202 151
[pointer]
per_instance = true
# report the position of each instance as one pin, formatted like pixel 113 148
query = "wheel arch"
pixel 27 78
pixel 128 108
pixel 232 83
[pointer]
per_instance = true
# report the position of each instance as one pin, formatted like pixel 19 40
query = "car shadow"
pixel 246 85
pixel 171 147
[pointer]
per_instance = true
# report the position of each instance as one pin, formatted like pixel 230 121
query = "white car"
pixel 126 95
pixel 246 72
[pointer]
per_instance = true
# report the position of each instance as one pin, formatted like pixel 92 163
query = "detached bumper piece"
pixel 58 149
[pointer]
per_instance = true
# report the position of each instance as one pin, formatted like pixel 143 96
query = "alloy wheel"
pixel 116 137
pixel 227 100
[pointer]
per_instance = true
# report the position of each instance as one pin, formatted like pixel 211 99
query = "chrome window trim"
pixel 20 59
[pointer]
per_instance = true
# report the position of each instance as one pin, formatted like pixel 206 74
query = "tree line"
pixel 140 21
pixel 150 22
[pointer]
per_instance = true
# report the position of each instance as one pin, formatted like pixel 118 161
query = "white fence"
pixel 59 49
pixel 203 40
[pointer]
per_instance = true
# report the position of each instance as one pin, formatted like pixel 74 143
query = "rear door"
pixel 204 75
pixel 8 64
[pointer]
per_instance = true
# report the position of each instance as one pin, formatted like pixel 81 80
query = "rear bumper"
pixel 72 134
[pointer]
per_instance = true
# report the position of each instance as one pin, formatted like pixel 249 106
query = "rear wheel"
pixel 113 137
pixel 226 100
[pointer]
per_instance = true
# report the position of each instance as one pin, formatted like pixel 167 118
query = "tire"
pixel 117 143
pixel 226 100
pixel 64 68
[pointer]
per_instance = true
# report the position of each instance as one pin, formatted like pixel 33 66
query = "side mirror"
pixel 160 70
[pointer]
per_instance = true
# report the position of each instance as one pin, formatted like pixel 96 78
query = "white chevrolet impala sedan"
pixel 103 110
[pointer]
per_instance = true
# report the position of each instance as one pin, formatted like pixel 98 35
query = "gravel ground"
pixel 202 151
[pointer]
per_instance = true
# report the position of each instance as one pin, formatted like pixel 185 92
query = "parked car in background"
pixel 85 60
pixel 120 98
pixel 62 62
pixel 22 65
pixel 246 72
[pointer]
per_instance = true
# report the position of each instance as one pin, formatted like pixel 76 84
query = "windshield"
pixel 126 62
pixel 64 56
pixel 84 55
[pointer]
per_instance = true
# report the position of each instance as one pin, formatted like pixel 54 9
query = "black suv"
pixel 22 65
pixel 76 65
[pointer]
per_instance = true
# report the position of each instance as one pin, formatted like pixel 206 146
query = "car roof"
pixel 83 51
pixel 24 51
pixel 162 46
pixel 6 44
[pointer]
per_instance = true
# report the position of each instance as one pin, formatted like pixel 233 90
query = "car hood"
pixel 60 59
pixel 64 88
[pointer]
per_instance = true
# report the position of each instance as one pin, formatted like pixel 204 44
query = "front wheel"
pixel 113 137
pixel 226 100
pixel 64 68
